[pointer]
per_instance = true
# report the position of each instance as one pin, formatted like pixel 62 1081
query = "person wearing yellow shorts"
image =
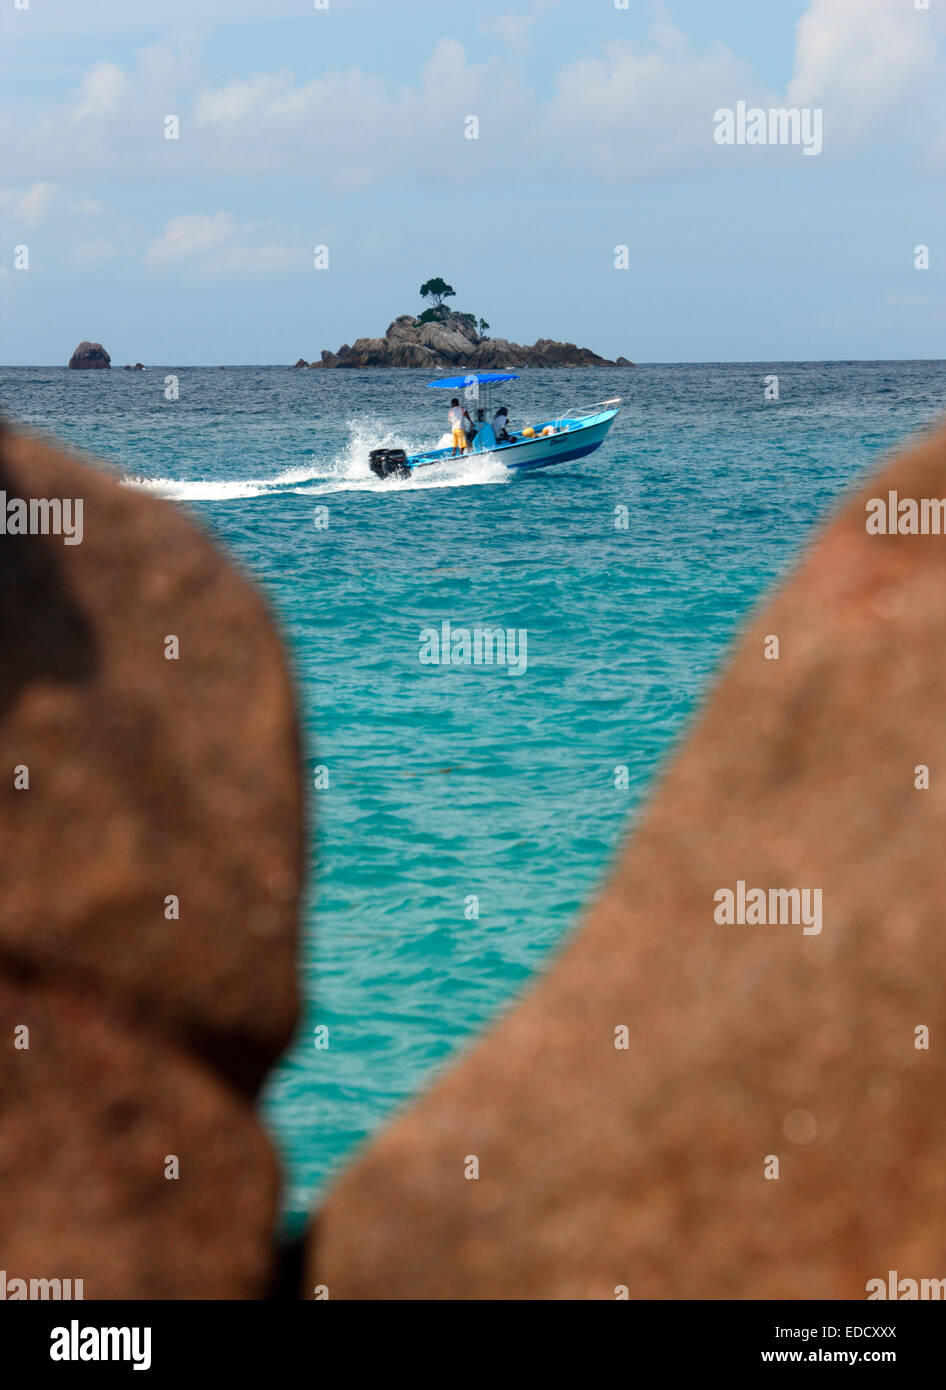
pixel 457 415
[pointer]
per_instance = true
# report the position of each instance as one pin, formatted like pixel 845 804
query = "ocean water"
pixel 470 813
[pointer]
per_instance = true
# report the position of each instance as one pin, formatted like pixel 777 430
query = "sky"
pixel 347 124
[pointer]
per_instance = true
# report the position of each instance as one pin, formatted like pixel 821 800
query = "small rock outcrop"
pixel 453 341
pixel 89 356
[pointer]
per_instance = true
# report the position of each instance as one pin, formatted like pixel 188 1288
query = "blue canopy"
pixel 481 379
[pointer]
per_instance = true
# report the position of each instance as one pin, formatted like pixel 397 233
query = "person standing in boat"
pixel 457 415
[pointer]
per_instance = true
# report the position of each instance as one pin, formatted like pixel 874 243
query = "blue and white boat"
pixel 568 436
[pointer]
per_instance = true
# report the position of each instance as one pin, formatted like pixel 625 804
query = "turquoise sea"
pixel 449 784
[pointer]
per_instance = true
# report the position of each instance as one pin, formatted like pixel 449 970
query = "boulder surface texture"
pixel 151 850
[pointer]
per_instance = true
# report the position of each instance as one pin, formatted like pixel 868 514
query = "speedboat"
pixel 571 435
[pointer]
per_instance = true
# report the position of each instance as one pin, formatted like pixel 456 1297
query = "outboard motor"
pixel 389 463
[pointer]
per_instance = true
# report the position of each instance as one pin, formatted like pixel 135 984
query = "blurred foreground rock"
pixel 643 1168
pixel 95 1112
pixel 149 778
pixel 151 858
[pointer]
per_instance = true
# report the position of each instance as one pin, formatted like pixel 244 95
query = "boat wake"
pixel 346 471
pixel 218 490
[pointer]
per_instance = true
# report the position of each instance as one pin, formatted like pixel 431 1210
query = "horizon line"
pixel 654 362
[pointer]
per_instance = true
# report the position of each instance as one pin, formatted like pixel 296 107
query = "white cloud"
pixel 114 119
pixel 864 61
pixel 514 27
pixel 94 252
pixel 103 89
pixel 220 246
pixel 29 206
pixel 352 127
pixel 627 109
pixel 185 237
pixel 87 207
pixel 640 107
pixel 260 96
